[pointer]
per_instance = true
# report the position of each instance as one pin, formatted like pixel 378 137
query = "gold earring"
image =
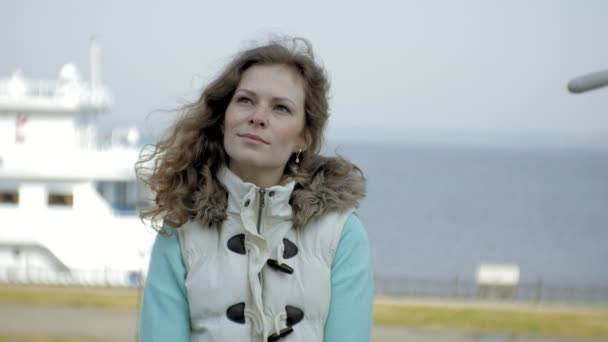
pixel 298 156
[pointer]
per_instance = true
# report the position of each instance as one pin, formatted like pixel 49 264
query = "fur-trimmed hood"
pixel 334 185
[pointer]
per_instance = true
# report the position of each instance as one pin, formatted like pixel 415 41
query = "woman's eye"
pixel 283 109
pixel 243 99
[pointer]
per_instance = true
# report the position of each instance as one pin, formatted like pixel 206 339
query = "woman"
pixel 258 237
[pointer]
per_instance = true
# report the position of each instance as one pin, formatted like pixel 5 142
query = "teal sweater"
pixel 165 312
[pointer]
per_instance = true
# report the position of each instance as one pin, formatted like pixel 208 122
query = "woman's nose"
pixel 259 116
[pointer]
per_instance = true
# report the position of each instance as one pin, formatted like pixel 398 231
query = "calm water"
pixel 438 212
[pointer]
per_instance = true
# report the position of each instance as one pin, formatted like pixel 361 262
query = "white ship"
pixel 67 203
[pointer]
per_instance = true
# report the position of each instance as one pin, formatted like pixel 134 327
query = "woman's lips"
pixel 253 138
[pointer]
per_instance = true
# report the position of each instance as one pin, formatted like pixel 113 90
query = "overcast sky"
pixel 399 69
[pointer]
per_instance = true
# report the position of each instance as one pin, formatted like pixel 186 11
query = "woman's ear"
pixel 307 140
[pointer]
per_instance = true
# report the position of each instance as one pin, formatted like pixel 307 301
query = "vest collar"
pixel 241 195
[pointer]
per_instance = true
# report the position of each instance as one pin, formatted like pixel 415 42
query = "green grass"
pixel 517 321
pixel 117 299
pixel 44 339
pixel 513 321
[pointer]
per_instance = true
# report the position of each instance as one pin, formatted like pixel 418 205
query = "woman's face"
pixel 264 121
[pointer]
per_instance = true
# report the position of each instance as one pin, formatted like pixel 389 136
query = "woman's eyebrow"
pixel 277 98
pixel 247 91
pixel 286 99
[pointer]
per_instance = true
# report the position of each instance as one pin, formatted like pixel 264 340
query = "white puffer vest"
pixel 257 278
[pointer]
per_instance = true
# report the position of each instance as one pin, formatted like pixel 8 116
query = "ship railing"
pixel 30 88
pixel 537 291
pixel 21 88
pixel 409 287
pixel 39 276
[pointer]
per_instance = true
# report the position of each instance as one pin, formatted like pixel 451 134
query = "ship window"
pixel 124 197
pixel 9 197
pixel 62 200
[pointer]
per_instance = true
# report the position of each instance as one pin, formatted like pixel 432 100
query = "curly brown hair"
pixel 181 169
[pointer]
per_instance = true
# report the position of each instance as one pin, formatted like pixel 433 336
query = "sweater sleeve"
pixel 165 312
pixel 352 287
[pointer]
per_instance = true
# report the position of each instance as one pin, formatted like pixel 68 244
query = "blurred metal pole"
pixel 588 82
pixel 539 290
